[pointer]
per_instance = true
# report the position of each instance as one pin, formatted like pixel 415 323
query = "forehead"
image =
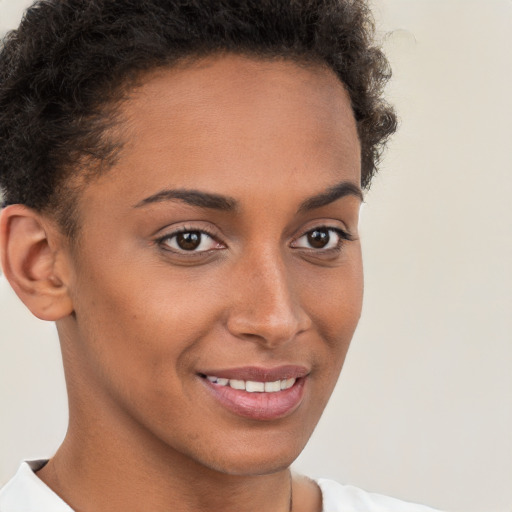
pixel 232 122
pixel 236 81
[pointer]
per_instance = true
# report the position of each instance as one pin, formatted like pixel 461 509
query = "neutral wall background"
pixel 423 409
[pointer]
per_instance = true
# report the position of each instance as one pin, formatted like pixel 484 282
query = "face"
pixel 218 279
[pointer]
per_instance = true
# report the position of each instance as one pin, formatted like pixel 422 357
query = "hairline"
pixel 66 212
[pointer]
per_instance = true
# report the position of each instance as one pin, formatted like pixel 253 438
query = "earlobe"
pixel 32 261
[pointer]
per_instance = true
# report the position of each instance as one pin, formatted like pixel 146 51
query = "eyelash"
pixel 202 231
pixel 344 236
pixel 164 240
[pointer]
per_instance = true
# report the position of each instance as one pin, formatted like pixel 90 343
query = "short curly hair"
pixel 67 66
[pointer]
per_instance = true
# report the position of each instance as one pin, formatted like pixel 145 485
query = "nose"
pixel 266 306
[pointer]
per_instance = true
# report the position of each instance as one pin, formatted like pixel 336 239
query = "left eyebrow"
pixel 345 188
pixel 193 198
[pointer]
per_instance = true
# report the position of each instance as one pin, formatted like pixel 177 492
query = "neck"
pixel 98 469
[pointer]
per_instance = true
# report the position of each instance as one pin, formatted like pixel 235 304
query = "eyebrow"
pixel 192 197
pixel 345 188
pixel 226 203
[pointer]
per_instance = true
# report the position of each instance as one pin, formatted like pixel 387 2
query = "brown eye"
pixel 189 241
pixel 318 238
pixel 321 239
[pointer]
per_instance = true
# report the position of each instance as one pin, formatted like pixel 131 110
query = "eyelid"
pixel 169 235
pixel 331 224
pixel 343 234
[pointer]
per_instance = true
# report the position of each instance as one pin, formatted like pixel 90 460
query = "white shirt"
pixel 25 492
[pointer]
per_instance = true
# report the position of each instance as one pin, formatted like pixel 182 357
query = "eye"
pixel 322 238
pixel 189 241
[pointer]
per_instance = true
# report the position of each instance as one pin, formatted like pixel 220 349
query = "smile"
pixel 251 386
pixel 257 393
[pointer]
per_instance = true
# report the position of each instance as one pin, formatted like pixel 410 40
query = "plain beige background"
pixel 423 410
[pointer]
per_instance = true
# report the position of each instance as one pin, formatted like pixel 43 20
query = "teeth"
pixel 272 387
pixel 287 384
pixel 237 384
pixel 252 386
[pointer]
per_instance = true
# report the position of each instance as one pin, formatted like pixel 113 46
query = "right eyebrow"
pixel 345 188
pixel 192 197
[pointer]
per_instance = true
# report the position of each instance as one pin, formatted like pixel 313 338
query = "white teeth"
pixel 272 387
pixel 287 384
pixel 252 386
pixel 237 384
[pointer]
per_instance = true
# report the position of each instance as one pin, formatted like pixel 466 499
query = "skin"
pixel 139 319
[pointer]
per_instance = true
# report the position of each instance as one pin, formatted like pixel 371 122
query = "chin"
pixel 254 458
pixel 252 467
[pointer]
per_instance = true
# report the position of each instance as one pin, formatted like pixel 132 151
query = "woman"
pixel 182 183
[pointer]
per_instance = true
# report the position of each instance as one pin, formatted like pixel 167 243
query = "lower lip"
pixel 259 406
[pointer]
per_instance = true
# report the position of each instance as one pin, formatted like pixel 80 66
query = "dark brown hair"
pixel 71 60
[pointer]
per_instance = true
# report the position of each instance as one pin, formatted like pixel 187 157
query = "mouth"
pixel 253 386
pixel 256 393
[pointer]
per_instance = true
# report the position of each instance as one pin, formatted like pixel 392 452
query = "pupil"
pixel 189 241
pixel 318 238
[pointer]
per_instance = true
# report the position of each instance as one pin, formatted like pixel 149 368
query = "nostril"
pixel 269 333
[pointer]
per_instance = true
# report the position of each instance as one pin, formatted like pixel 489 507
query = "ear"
pixel 34 261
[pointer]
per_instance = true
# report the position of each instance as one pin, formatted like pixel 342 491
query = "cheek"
pixel 141 329
pixel 334 299
pixel 335 307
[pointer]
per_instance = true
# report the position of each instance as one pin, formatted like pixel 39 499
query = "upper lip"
pixel 260 374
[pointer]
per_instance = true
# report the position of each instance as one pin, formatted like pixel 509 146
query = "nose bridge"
pixel 266 306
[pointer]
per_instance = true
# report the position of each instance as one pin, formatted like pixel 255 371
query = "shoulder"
pixel 346 498
pixel 25 492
